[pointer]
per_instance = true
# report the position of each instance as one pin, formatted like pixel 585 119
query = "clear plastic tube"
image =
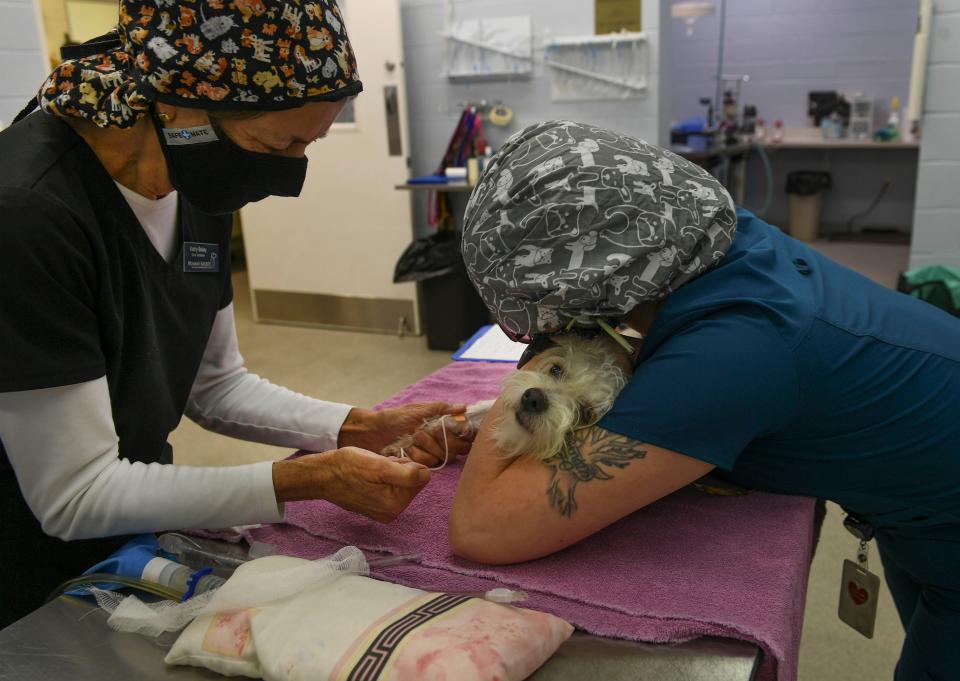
pixel 192 554
pixel 104 578
pixel 395 560
pixel 181 577
pixel 503 596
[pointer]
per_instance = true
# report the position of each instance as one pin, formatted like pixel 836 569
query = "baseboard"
pixel 376 315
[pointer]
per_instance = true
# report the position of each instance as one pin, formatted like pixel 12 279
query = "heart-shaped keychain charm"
pixel 858 593
pixel 858 598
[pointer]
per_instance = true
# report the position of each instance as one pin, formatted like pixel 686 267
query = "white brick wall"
pixel 936 223
pixel 22 64
pixel 943 39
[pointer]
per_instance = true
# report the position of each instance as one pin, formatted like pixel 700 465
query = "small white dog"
pixel 567 382
pixel 569 385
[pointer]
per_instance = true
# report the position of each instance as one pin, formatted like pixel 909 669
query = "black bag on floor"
pixel 429 257
pixel 450 307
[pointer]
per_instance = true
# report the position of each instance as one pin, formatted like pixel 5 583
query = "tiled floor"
pixel 363 369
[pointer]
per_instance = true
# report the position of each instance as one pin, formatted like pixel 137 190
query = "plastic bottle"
pixel 832 126
pixel 894 120
pixel 826 128
pixel 176 576
pixel 893 123
pixel 473 170
pixel 891 131
pixel 777 131
pixel 485 159
pixel 760 134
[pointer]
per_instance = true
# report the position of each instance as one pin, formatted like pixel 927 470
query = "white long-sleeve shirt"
pixel 64 449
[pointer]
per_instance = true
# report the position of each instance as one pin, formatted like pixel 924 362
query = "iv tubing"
pixel 768 173
pixel 101 577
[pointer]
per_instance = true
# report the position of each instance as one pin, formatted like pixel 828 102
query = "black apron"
pixel 84 295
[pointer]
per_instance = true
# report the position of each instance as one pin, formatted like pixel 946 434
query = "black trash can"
pixel 451 310
pixel 805 188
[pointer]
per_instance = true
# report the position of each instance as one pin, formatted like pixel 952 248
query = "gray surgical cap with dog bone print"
pixel 571 223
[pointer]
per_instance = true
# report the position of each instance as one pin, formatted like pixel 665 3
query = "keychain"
pixel 859 588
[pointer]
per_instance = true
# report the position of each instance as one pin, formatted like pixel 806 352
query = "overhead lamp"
pixel 691 10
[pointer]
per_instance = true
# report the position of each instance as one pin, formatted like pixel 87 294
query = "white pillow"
pixel 362 628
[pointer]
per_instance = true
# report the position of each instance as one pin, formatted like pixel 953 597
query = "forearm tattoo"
pixel 589 454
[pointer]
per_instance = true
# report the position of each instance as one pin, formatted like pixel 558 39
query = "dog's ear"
pixel 540 343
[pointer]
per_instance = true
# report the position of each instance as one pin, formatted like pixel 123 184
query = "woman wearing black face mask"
pixel 115 305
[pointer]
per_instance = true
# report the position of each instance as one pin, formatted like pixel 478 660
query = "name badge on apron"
pixel 200 257
pixel 200 134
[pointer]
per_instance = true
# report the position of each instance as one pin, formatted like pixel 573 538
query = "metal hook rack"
pixel 518 58
pixel 481 106
pixel 486 46
pixel 634 40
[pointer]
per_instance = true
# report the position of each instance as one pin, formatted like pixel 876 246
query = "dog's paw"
pixel 443 427
pixel 478 411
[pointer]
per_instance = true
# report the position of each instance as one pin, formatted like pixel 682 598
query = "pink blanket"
pixel 690 565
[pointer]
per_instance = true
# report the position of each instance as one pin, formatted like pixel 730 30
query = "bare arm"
pixel 511 510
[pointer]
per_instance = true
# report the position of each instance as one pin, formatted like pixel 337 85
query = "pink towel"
pixel 690 565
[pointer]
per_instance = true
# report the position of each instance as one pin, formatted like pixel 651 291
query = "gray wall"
pixel 432 98
pixel 22 64
pixel 789 47
pixel 936 227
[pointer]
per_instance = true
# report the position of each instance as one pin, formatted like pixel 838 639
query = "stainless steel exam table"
pixel 68 639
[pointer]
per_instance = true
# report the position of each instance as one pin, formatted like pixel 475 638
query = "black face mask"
pixel 218 177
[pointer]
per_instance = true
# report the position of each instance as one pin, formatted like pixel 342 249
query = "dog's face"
pixel 564 388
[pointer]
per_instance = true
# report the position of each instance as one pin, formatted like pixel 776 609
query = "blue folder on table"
pixel 490 344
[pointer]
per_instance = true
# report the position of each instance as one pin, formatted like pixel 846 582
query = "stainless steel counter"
pixel 69 639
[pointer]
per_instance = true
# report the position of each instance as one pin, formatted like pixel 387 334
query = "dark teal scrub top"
pixel 794 374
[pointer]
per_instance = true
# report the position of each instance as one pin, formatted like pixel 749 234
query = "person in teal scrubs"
pixel 762 361
pixel 797 375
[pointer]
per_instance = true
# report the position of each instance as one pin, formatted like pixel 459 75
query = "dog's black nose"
pixel 534 400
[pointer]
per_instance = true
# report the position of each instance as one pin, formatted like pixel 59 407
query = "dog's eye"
pixel 586 415
pixel 556 371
